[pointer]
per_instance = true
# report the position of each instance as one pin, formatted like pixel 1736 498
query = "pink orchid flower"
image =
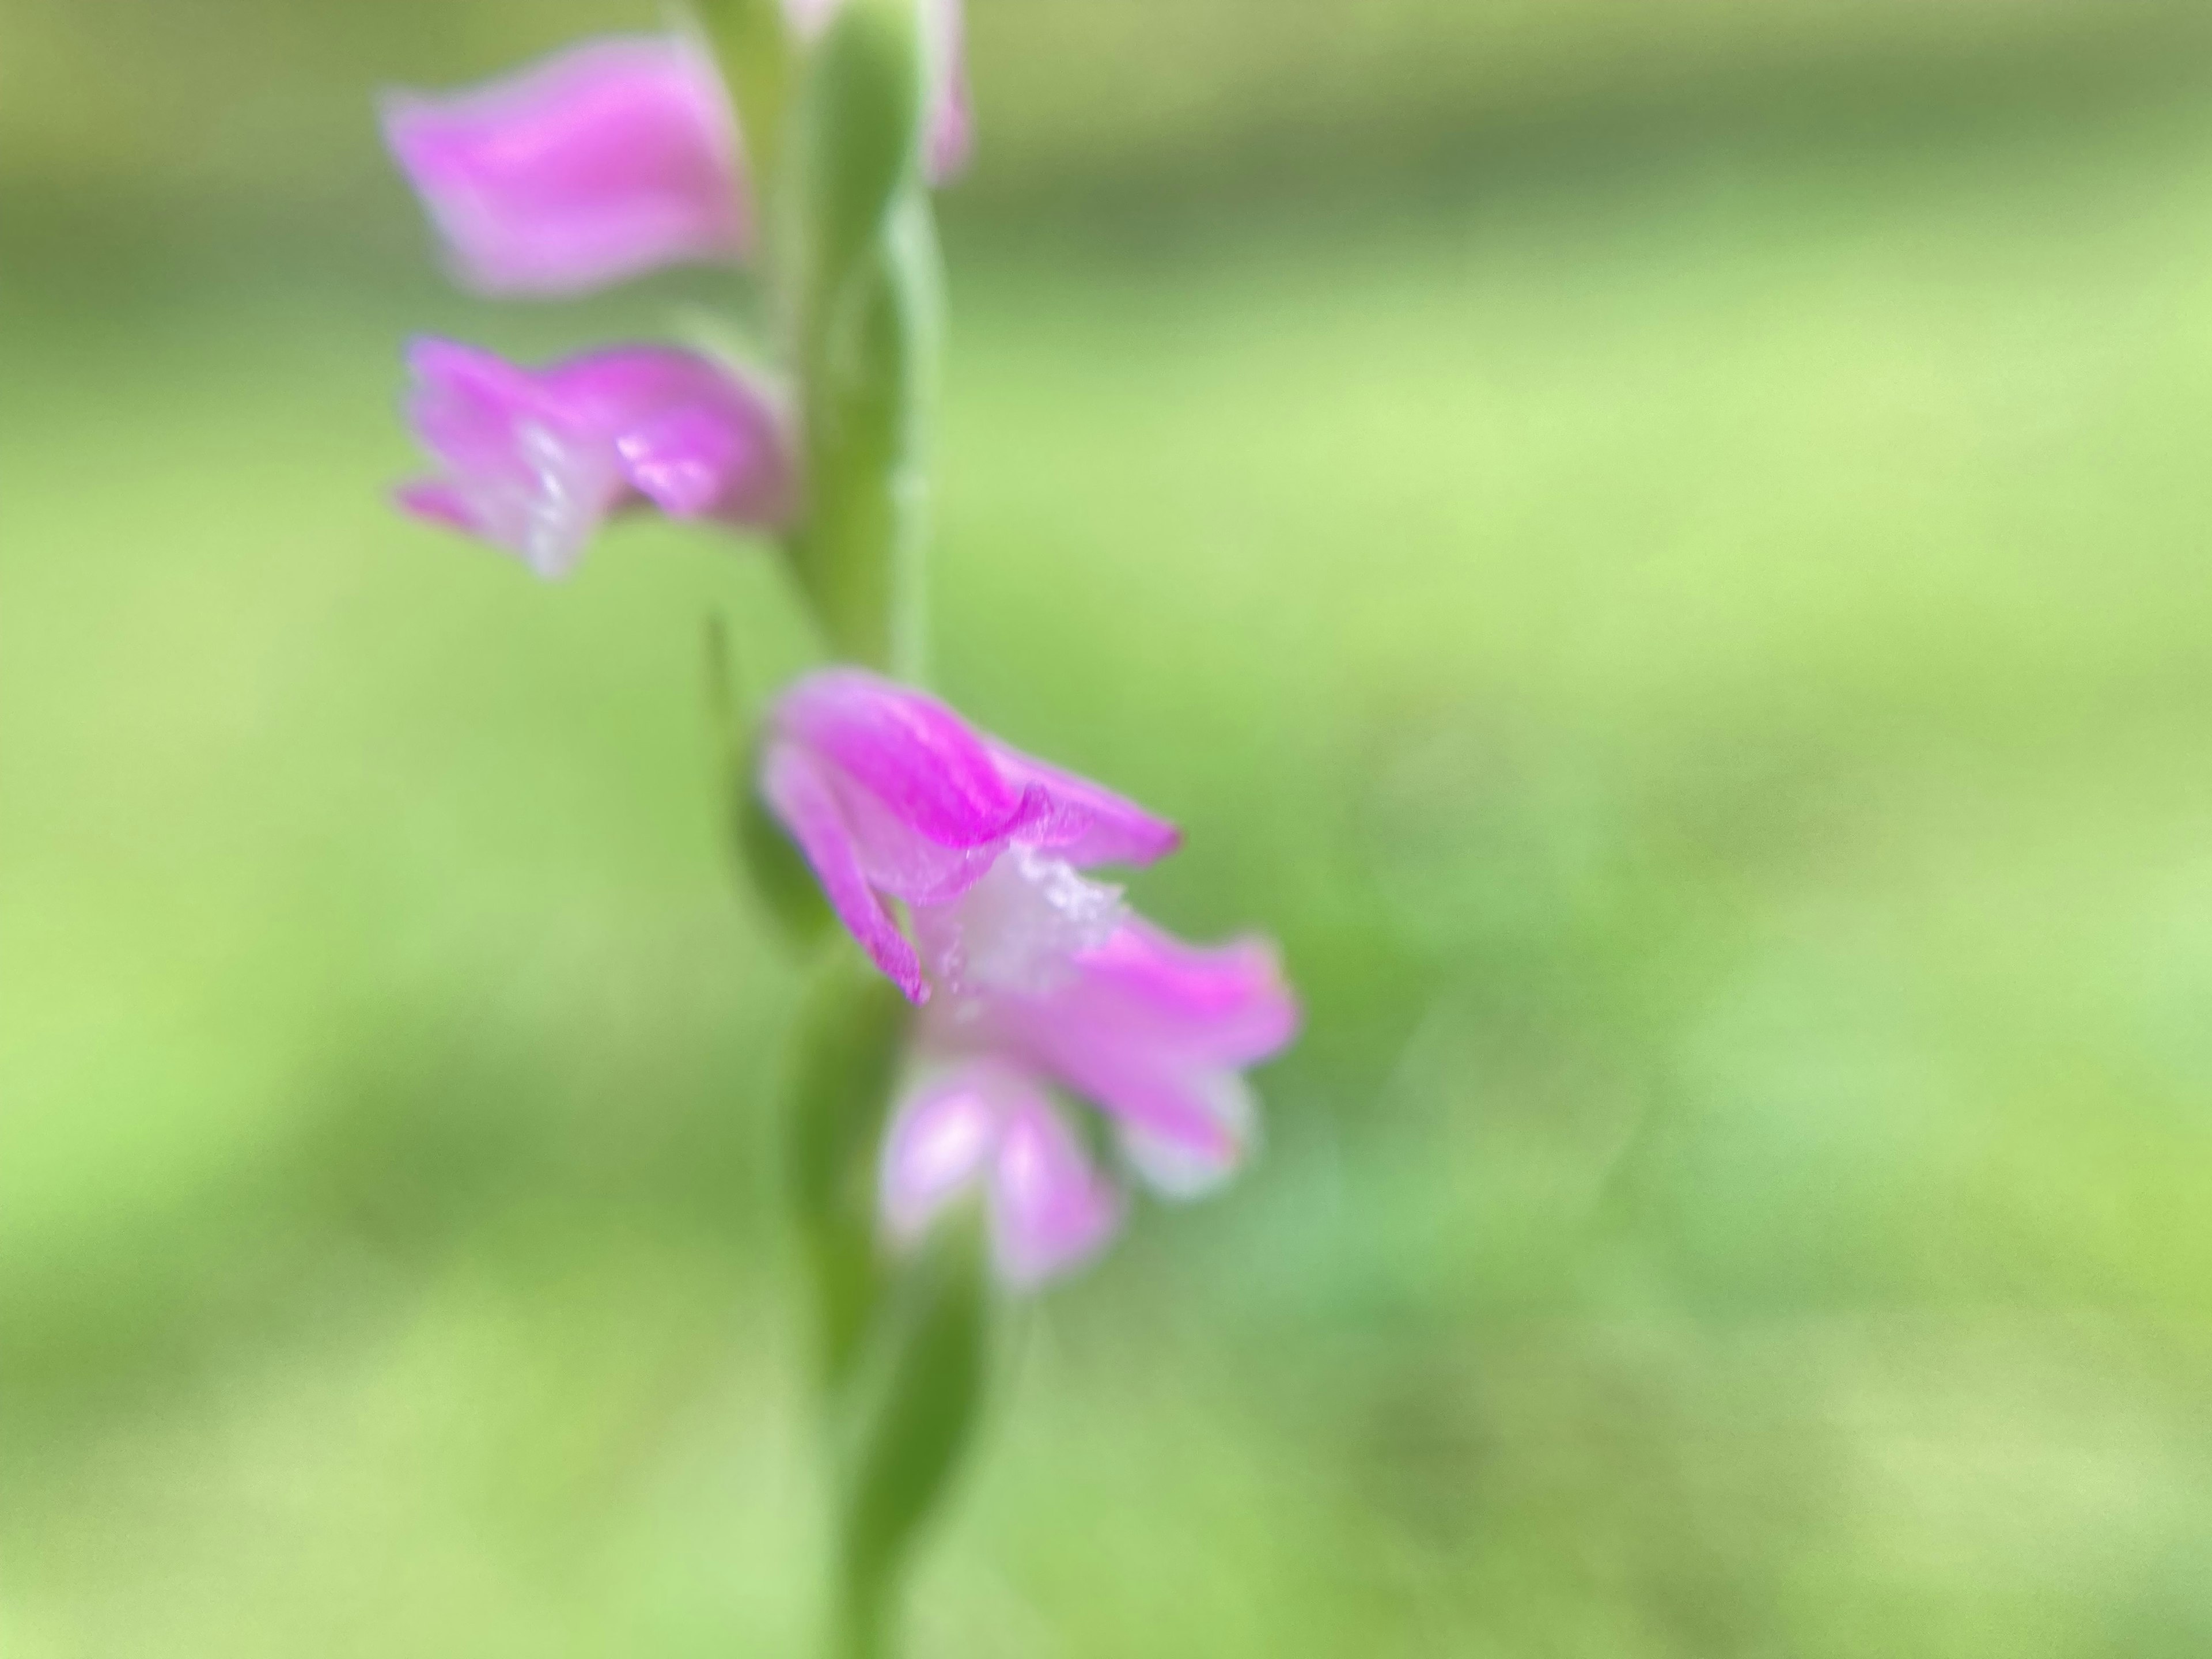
pixel 1154 1032
pixel 601 162
pixel 1043 980
pixel 891 795
pixel 532 460
pixel 615 158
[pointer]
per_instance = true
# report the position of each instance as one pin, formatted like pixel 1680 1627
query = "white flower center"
pixel 1016 929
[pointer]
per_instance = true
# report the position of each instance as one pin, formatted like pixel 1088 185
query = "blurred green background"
pixel 1662 548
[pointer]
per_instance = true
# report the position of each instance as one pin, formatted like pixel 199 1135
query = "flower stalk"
pixel 969 979
pixel 848 251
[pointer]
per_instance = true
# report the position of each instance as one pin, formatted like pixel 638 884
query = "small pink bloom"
pixel 615 157
pixel 532 460
pixel 606 160
pixel 1155 1032
pixel 889 794
pixel 985 1128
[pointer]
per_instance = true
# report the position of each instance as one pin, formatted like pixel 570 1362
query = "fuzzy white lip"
pixel 1016 929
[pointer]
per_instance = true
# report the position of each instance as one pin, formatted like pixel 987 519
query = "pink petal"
pixel 1226 1005
pixel 1180 1166
pixel 603 161
pixel 1050 1208
pixel 930 772
pixel 532 460
pixel 1151 1029
pixel 991 1129
pixel 1186 1112
pixel 929 807
pixel 517 470
pixel 793 784
pixel 941 1138
pixel 1084 822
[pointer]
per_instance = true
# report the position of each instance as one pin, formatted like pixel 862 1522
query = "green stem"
pixel 848 247
pixel 868 364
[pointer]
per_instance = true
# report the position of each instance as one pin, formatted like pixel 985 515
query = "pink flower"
pixel 889 794
pixel 985 1126
pixel 1154 1032
pixel 1044 981
pixel 615 158
pixel 532 460
pixel 603 161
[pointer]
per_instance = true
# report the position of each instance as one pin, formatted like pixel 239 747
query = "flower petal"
pixel 1050 1208
pixel 1150 1028
pixel 518 471
pixel 1224 1004
pixel 532 460
pixel 802 797
pixel 603 161
pixel 1083 822
pixel 1179 1165
pixel 929 772
pixel 1189 1114
pixel 941 1139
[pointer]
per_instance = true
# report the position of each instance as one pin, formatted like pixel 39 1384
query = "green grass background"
pixel 1662 550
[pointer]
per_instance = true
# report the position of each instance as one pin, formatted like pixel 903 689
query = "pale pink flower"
pixel 1153 1032
pixel 891 795
pixel 601 162
pixel 532 460
pixel 616 157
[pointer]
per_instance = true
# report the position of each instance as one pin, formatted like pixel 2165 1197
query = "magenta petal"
pixel 1083 822
pixel 799 794
pixel 1050 1208
pixel 517 469
pixel 701 460
pixel 929 771
pixel 532 460
pixel 1224 1004
pixel 436 502
pixel 930 808
pixel 603 161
